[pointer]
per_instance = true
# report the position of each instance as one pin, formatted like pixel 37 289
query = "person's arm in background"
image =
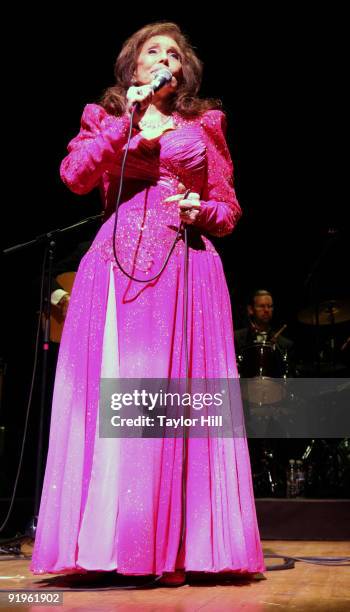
pixel 59 296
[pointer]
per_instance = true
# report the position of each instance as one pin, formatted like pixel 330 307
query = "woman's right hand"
pixel 141 95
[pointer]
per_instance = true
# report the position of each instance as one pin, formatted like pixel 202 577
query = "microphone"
pixel 161 78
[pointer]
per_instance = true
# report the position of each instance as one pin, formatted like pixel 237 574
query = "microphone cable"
pixel 121 182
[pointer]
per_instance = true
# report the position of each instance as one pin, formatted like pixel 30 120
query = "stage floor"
pixel 305 588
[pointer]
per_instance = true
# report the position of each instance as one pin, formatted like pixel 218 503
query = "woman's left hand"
pixel 189 204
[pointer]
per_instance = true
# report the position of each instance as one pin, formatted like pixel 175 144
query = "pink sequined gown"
pixel 110 504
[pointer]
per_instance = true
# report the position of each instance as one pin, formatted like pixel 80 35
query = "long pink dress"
pixel 115 504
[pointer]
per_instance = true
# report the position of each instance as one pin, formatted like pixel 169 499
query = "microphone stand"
pixel 49 241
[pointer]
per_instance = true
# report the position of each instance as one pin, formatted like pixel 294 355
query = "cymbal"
pixel 330 312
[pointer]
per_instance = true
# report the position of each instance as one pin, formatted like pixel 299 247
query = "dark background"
pixel 280 76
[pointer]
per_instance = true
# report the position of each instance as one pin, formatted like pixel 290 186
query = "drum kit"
pixel 264 366
pixel 264 369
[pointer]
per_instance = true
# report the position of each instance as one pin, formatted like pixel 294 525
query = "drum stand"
pixel 266 482
pixel 327 464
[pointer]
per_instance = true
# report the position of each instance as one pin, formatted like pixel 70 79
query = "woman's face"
pixel 156 53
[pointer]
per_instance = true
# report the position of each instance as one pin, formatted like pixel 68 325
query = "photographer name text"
pixel 164 421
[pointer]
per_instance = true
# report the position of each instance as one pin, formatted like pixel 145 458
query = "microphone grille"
pixel 163 75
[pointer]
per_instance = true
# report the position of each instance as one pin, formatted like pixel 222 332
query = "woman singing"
pixel 113 504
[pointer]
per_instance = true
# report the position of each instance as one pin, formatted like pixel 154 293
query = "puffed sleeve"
pixel 220 209
pixel 94 149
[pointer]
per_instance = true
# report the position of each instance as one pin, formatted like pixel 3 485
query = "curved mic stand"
pixel 48 239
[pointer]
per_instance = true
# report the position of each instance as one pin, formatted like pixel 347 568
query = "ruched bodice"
pixel 147 224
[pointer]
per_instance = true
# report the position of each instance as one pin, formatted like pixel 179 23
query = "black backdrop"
pixel 279 74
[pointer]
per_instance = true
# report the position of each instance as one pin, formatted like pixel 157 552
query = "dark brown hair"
pixel 185 100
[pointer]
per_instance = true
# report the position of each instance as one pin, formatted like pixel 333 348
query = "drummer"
pixel 260 330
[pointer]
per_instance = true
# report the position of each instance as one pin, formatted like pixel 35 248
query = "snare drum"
pixel 263 368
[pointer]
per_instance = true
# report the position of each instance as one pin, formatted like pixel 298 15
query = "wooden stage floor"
pixel 305 588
